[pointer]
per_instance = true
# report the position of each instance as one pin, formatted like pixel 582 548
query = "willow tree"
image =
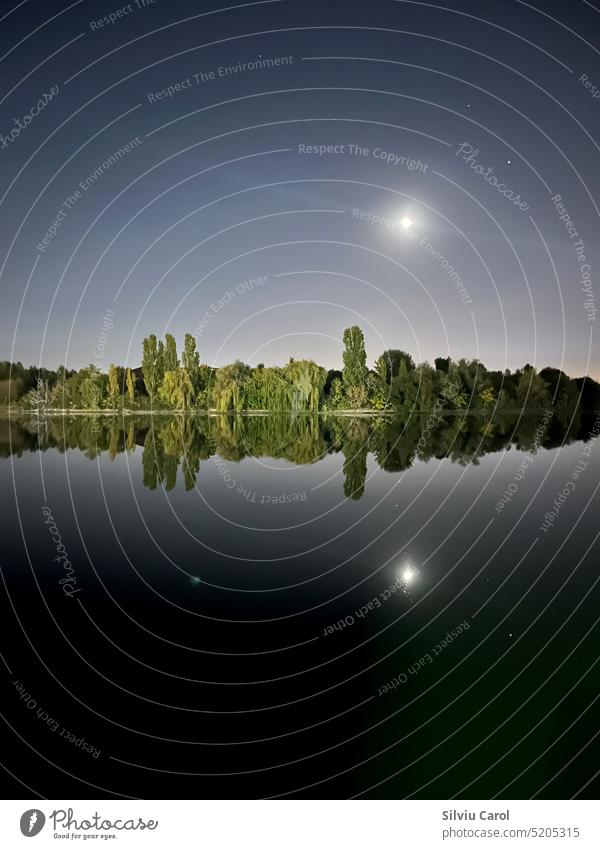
pixel 229 387
pixel 276 389
pixel 177 389
pixel 306 381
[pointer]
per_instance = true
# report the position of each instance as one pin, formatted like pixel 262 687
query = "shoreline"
pixel 12 412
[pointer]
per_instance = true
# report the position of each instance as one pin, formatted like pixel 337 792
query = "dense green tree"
pixel 531 391
pixel 332 375
pixel 563 390
pixel 392 359
pixel 337 393
pixel 91 389
pixel 378 389
pixel 427 385
pixel 404 391
pixel 11 390
pixel 16 380
pixel 589 390
pixel 203 391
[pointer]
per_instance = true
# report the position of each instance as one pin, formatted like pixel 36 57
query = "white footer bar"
pixel 298 824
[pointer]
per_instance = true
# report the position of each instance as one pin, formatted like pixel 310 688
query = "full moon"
pixel 408 574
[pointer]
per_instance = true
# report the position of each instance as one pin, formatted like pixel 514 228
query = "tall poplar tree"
pixel 190 360
pixel 130 388
pixel 160 364
pixel 113 386
pixel 355 370
pixel 170 359
pixel 150 365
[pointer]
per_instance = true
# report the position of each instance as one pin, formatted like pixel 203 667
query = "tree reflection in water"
pixel 172 443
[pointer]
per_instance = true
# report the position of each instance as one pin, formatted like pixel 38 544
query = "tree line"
pixel 177 381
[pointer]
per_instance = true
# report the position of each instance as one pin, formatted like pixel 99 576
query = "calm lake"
pixel 251 606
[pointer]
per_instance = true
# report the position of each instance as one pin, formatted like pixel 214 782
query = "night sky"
pixel 266 174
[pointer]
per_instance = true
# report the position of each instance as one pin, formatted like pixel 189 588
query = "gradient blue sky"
pixel 218 192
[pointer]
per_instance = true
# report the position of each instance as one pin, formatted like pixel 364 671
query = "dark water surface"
pixel 259 606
